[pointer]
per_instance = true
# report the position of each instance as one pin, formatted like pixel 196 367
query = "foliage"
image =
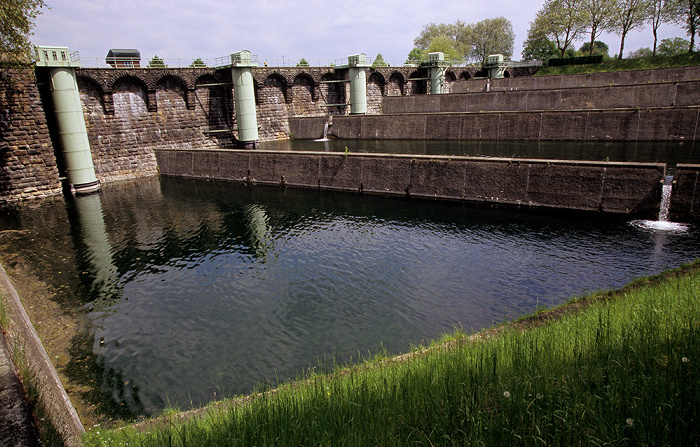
pixel 599 16
pixel 537 46
pixel 379 61
pixel 687 13
pixel 660 11
pixel 302 63
pixel 157 62
pixel 16 25
pixel 491 36
pixel 598 48
pixel 628 16
pixel 562 21
pixel 671 47
pixel 641 52
pixel 198 63
pixel 467 41
pixel 445 45
pixel 644 63
pixel 621 369
pixel 417 55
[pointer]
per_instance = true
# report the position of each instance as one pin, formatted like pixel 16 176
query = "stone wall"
pixel 28 166
pixel 632 188
pixel 685 193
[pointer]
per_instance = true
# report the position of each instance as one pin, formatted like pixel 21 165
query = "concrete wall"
pixel 27 164
pixel 631 77
pixel 648 124
pixel 606 97
pixel 685 195
pixel 633 188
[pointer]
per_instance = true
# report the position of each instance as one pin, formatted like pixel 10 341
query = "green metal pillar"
pixel 69 118
pixel 436 67
pixel 244 97
pixel 357 65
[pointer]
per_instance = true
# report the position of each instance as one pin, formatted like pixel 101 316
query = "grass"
pixel 609 65
pixel 621 370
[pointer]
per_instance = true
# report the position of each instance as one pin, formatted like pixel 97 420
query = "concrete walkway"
pixel 17 427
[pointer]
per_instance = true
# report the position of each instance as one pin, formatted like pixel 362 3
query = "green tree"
pixel 157 62
pixel 198 63
pixel 641 52
pixel 491 36
pixel 660 11
pixel 459 33
pixel 302 63
pixel 561 21
pixel 16 25
pixel 447 46
pixel 538 47
pixel 378 61
pixel 627 16
pixel 672 47
pixel 598 15
pixel 687 13
pixel 417 55
pixel 598 48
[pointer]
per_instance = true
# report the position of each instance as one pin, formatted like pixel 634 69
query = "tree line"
pixel 560 23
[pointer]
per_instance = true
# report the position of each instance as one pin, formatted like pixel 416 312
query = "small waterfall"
pixel 665 198
pixel 325 133
pixel 662 223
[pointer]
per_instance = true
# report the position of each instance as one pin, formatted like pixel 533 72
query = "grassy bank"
pixel 643 63
pixel 618 368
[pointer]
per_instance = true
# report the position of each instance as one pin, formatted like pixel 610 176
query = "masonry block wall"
pixel 27 164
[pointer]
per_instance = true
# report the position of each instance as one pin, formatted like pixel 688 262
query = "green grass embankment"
pixel 619 368
pixel 642 63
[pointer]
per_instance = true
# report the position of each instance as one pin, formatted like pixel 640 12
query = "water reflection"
pixel 200 290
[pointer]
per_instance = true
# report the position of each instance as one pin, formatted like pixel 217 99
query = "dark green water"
pixel 195 291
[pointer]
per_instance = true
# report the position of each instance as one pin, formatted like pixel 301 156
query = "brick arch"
pixel 418 86
pixel 396 84
pixel 121 77
pixel 278 81
pixel 92 94
pixel 89 78
pixel 464 75
pixel 375 92
pixel 133 88
pixel 304 80
pixel 171 88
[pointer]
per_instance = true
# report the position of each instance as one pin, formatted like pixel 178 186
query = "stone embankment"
pixel 644 105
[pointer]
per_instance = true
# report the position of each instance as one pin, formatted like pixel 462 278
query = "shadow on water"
pixel 193 291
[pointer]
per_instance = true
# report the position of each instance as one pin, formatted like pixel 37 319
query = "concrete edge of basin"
pixel 21 335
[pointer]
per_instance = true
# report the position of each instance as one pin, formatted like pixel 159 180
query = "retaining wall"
pixel 629 77
pixel 685 195
pixel 632 188
pixel 685 93
pixel 647 124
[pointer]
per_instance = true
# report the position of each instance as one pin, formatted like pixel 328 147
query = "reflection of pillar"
pixel 244 96
pixel 99 250
pixel 69 118
pixel 258 229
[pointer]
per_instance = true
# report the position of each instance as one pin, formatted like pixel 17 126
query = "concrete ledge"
pixel 629 188
pixel 22 335
pixel 646 124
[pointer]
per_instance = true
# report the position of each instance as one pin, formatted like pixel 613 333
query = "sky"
pixel 322 32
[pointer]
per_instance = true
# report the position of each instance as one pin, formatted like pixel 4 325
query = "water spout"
pixel 662 223
pixel 325 133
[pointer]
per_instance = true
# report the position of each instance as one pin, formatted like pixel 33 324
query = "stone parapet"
pixel 628 188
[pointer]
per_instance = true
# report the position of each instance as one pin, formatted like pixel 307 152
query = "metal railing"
pixel 156 62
